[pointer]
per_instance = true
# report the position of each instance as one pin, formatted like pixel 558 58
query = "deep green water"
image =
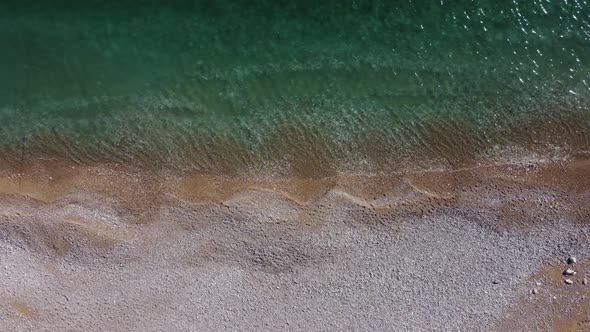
pixel 310 86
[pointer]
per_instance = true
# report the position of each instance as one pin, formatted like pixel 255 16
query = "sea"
pixel 293 87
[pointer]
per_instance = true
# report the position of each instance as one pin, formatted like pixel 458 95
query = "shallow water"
pixel 299 86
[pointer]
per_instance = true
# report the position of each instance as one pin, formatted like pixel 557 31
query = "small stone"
pixel 571 260
pixel 569 272
pixel 585 281
pixel 568 281
pixel 534 291
pixel 495 281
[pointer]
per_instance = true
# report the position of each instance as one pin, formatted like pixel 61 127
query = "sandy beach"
pixel 115 248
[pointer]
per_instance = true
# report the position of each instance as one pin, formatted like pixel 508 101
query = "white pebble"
pixel 569 272
pixel 568 281
pixel 571 260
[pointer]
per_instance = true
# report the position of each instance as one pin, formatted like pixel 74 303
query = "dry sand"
pixel 115 249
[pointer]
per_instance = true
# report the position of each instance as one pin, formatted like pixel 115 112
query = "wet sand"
pixel 117 248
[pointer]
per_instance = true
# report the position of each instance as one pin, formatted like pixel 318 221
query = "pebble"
pixel 571 260
pixel 535 291
pixel 569 272
pixel 568 281
pixel 585 281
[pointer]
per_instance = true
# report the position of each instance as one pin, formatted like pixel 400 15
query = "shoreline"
pixel 50 179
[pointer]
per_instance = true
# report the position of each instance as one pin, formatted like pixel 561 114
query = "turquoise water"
pixel 306 86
